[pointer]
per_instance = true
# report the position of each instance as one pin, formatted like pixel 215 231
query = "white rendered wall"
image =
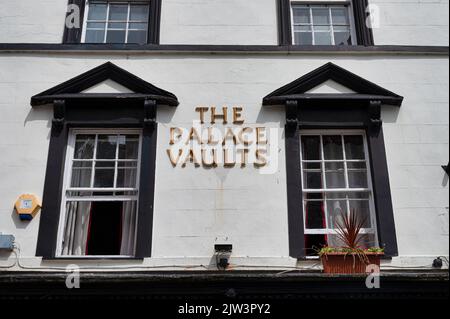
pixel 412 22
pixel 196 208
pixel 29 21
pixel 219 22
pixel 402 22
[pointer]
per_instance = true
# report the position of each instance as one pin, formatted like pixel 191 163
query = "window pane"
pixel 126 177
pixel 304 38
pixel 322 38
pixel 106 148
pixel 312 180
pixel 362 208
pixel 139 37
pixel 84 147
pixel 138 26
pixel 115 37
pixel 117 25
pixel 118 12
pixel 104 174
pixel 314 212
pixel 332 147
pixel 95 36
pixel 128 146
pixel 321 16
pixel 354 147
pixel 335 175
pixel 342 38
pixel 81 174
pixel 340 16
pixel 368 241
pixel 302 16
pixel 357 175
pixel 313 244
pixel 336 209
pixel 139 13
pixel 96 25
pixel 311 148
pixel 97 12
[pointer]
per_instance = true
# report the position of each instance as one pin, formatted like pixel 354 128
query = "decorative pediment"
pixel 332 83
pixel 106 81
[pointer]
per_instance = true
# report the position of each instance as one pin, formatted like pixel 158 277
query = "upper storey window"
pixel 322 25
pixel 324 22
pixel 114 22
pixel 117 22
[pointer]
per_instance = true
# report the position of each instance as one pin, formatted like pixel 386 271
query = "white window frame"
pixel 107 21
pixel 68 178
pixel 331 4
pixel 369 190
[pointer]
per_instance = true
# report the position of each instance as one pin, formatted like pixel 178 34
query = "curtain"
pixel 76 228
pixel 128 217
pixel 128 228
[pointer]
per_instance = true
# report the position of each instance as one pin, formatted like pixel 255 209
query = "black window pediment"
pixel 73 88
pixel 363 89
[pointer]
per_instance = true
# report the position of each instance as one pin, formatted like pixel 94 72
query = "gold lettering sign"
pixel 211 147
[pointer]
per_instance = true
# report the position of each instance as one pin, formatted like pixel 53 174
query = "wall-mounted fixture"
pixel 223 254
pixel 438 263
pixel 6 242
pixel 446 168
pixel 27 206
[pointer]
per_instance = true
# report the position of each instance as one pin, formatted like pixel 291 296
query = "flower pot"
pixel 342 263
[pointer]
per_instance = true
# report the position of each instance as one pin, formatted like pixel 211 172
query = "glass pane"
pixel 311 148
pixel 302 16
pixel 118 12
pixel 126 177
pixel 139 37
pixel 138 26
pixel 95 36
pixel 342 38
pixel 359 195
pixel 354 147
pixel 322 38
pixel 84 147
pixel 106 147
pixel 128 146
pixel 81 174
pixel 362 208
pixel 139 13
pixel 314 212
pixel 335 175
pixel 321 16
pixel 104 174
pixel 312 166
pixel 96 25
pixel 97 12
pixel 340 15
pixel 117 25
pixel 313 244
pixel 303 38
pixel 357 175
pixel 115 37
pixel 336 210
pixel 334 241
pixel 368 241
pixel 312 180
pixel 332 147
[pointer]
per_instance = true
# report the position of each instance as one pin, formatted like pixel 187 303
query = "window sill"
pixel 88 258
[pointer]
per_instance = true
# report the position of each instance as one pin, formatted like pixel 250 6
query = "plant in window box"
pixel 352 257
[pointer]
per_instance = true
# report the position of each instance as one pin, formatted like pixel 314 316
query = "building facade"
pixel 148 133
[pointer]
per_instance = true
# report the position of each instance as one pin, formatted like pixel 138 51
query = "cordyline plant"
pixel 349 232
